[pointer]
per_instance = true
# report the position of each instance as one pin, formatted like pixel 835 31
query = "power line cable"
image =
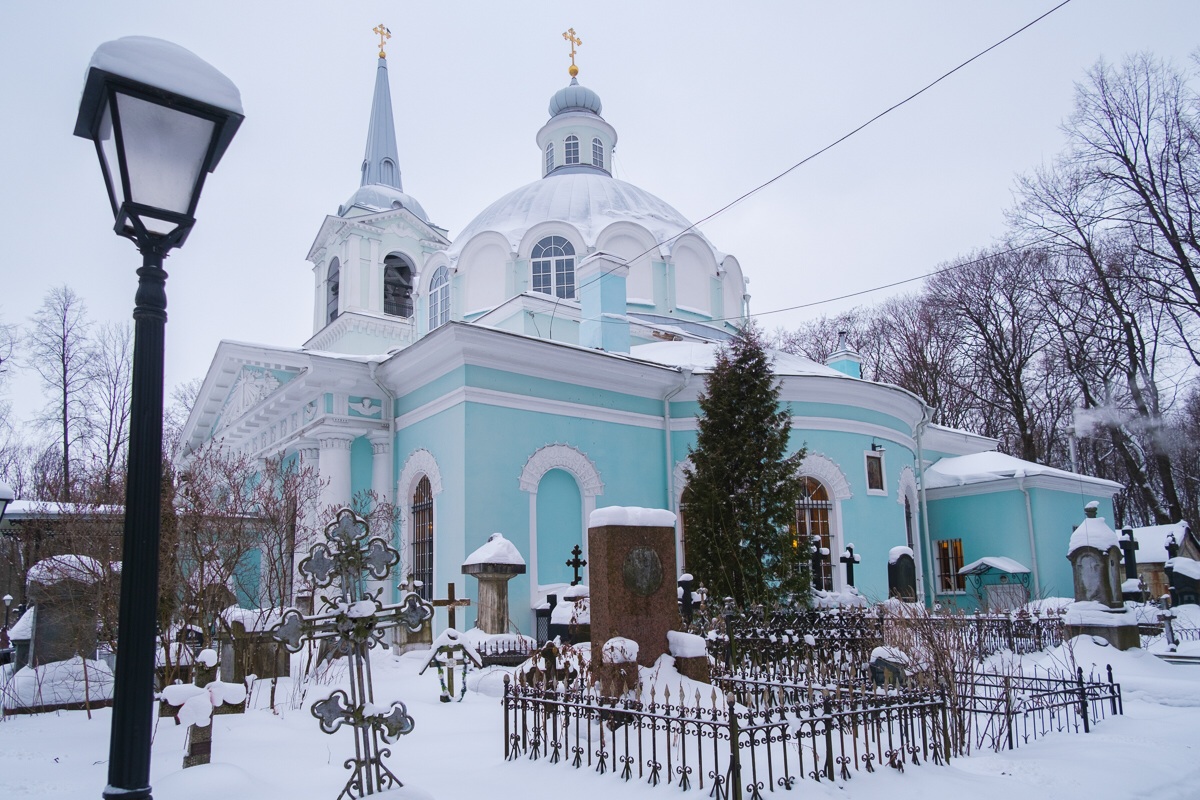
pixel 833 144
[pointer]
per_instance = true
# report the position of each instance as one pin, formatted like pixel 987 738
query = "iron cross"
pixel 576 563
pixel 849 559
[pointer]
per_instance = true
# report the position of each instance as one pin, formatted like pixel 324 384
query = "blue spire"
pixel 381 162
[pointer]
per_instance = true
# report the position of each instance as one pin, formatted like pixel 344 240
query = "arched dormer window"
pixel 554 267
pixel 397 287
pixel 332 279
pixel 439 298
pixel 597 153
pixel 549 157
pixel 571 150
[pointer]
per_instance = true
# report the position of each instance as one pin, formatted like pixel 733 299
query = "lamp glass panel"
pixel 108 151
pixel 164 152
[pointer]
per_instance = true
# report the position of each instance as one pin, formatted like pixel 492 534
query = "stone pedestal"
pixel 633 591
pixel 494 564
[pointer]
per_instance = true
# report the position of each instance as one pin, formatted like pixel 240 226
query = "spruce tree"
pixel 742 486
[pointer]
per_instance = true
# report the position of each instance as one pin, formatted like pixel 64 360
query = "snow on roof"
pixel 23 628
pixel 166 65
pixel 992 466
pixel 37 508
pixel 66 567
pixel 252 619
pixel 901 550
pixel 701 356
pixel 1093 532
pixel 999 563
pixel 588 201
pixel 496 550
pixel 631 516
pixel 1152 541
pixel 1185 566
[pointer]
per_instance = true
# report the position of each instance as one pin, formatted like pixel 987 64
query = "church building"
pixel 545 361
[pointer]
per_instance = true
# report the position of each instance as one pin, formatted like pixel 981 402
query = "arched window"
pixel 549 156
pixel 422 537
pixel 554 267
pixel 397 286
pixel 597 153
pixel 332 280
pixel 812 520
pixel 571 150
pixel 387 172
pixel 439 298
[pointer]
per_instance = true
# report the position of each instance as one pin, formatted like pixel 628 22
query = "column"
pixel 334 466
pixel 381 485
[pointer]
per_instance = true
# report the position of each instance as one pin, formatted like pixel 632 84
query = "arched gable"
pixel 420 462
pixel 564 457
pixel 552 228
pixel 824 469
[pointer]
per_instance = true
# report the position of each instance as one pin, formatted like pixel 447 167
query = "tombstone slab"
pixel 631 553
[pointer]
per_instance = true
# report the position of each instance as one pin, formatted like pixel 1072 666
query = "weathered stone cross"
pixel 1129 547
pixel 451 603
pixel 576 564
pixel 353 621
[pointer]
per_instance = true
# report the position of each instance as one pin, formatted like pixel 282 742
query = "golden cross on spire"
pixel 575 42
pixel 384 35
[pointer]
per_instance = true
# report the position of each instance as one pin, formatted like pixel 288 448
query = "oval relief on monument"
pixel 642 571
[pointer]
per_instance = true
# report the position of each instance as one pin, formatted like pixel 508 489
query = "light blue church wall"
pixel 559 525
pixel 360 467
pixel 995 524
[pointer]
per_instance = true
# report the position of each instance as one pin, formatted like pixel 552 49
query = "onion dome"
pixel 575 97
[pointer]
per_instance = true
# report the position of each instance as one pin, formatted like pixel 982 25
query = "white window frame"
pixel 939 574
pixel 557 265
pixel 597 153
pixel 439 298
pixel 549 157
pixel 571 150
pixel 867 456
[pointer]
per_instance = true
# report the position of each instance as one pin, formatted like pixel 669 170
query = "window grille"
pixel 949 562
pixel 422 517
pixel 812 520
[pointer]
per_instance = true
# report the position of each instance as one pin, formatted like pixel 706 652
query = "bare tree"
pixel 108 401
pixel 58 350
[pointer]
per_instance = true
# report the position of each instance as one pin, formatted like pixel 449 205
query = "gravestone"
pixel 1095 556
pixel 632 585
pixel 419 636
pixel 64 590
pixel 902 574
pixel 1184 577
pixel 494 564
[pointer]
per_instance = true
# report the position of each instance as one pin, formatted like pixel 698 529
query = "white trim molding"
pixel 419 463
pixel 906 487
pixel 575 463
pixel 824 469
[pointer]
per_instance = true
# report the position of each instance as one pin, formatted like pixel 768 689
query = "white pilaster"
pixel 335 469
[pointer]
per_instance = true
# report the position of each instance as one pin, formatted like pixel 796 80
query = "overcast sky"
pixel 708 98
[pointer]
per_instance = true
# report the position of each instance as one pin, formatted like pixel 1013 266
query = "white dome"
pixel 588 200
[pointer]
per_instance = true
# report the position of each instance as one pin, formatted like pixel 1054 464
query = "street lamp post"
pixel 161 119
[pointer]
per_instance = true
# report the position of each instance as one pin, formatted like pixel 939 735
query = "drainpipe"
pixel 390 415
pixel 686 372
pixel 1037 584
pixel 923 543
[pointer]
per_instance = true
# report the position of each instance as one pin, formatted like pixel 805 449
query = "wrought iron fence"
pixel 721 744
pixel 1006 711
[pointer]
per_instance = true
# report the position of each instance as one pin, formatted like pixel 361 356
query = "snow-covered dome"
pixel 575 97
pixel 378 197
pixel 588 201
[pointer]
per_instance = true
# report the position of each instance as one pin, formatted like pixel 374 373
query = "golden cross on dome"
pixel 384 35
pixel 575 42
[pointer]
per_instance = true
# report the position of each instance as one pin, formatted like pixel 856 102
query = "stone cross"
pixel 850 559
pixel 384 35
pixel 353 621
pixel 1129 547
pixel 450 603
pixel 576 563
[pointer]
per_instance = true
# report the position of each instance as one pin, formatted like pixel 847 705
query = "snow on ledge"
pixel 1185 566
pixel 69 567
pixel 895 553
pixel 619 650
pixel 631 516
pixel 496 550
pixel 1093 532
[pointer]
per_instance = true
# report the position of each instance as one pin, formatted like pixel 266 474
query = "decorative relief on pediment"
pixel 251 388
pixel 365 407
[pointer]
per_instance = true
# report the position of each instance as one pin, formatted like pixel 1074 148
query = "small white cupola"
pixel 576 138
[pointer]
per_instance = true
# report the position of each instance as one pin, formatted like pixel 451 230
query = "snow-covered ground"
pixel 455 751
